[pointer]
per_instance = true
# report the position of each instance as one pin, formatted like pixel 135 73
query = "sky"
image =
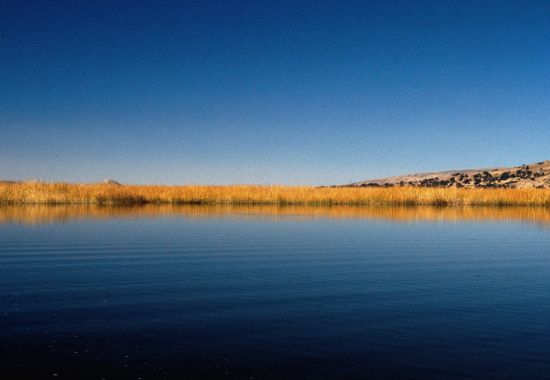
pixel 270 92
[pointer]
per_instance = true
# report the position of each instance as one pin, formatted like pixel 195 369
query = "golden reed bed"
pixel 66 193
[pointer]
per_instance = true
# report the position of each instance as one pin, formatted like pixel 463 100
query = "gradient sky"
pixel 293 92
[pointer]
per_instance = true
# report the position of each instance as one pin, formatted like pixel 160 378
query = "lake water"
pixel 274 293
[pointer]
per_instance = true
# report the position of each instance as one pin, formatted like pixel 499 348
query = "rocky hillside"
pixel 526 176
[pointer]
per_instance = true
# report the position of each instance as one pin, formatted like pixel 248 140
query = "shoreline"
pixel 44 193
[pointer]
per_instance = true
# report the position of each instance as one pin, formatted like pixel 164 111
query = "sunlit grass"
pixel 65 193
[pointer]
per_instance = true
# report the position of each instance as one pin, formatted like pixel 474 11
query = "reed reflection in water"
pixel 40 214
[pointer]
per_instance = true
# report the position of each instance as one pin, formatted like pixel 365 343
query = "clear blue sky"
pixel 293 92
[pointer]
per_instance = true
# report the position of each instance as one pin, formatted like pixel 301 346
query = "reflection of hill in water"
pixel 38 214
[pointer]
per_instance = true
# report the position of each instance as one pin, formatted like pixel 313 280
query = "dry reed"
pixel 66 193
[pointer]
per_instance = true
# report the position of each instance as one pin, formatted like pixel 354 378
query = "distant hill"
pixel 525 176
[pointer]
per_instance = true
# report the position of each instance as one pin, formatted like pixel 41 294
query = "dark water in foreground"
pixel 262 295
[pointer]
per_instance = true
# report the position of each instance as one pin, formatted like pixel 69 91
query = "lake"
pixel 267 292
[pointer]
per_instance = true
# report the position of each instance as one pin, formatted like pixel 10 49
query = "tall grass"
pixel 66 193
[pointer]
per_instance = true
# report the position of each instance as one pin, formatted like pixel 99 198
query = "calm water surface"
pixel 205 293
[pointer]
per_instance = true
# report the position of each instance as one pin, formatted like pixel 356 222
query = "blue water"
pixel 274 298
